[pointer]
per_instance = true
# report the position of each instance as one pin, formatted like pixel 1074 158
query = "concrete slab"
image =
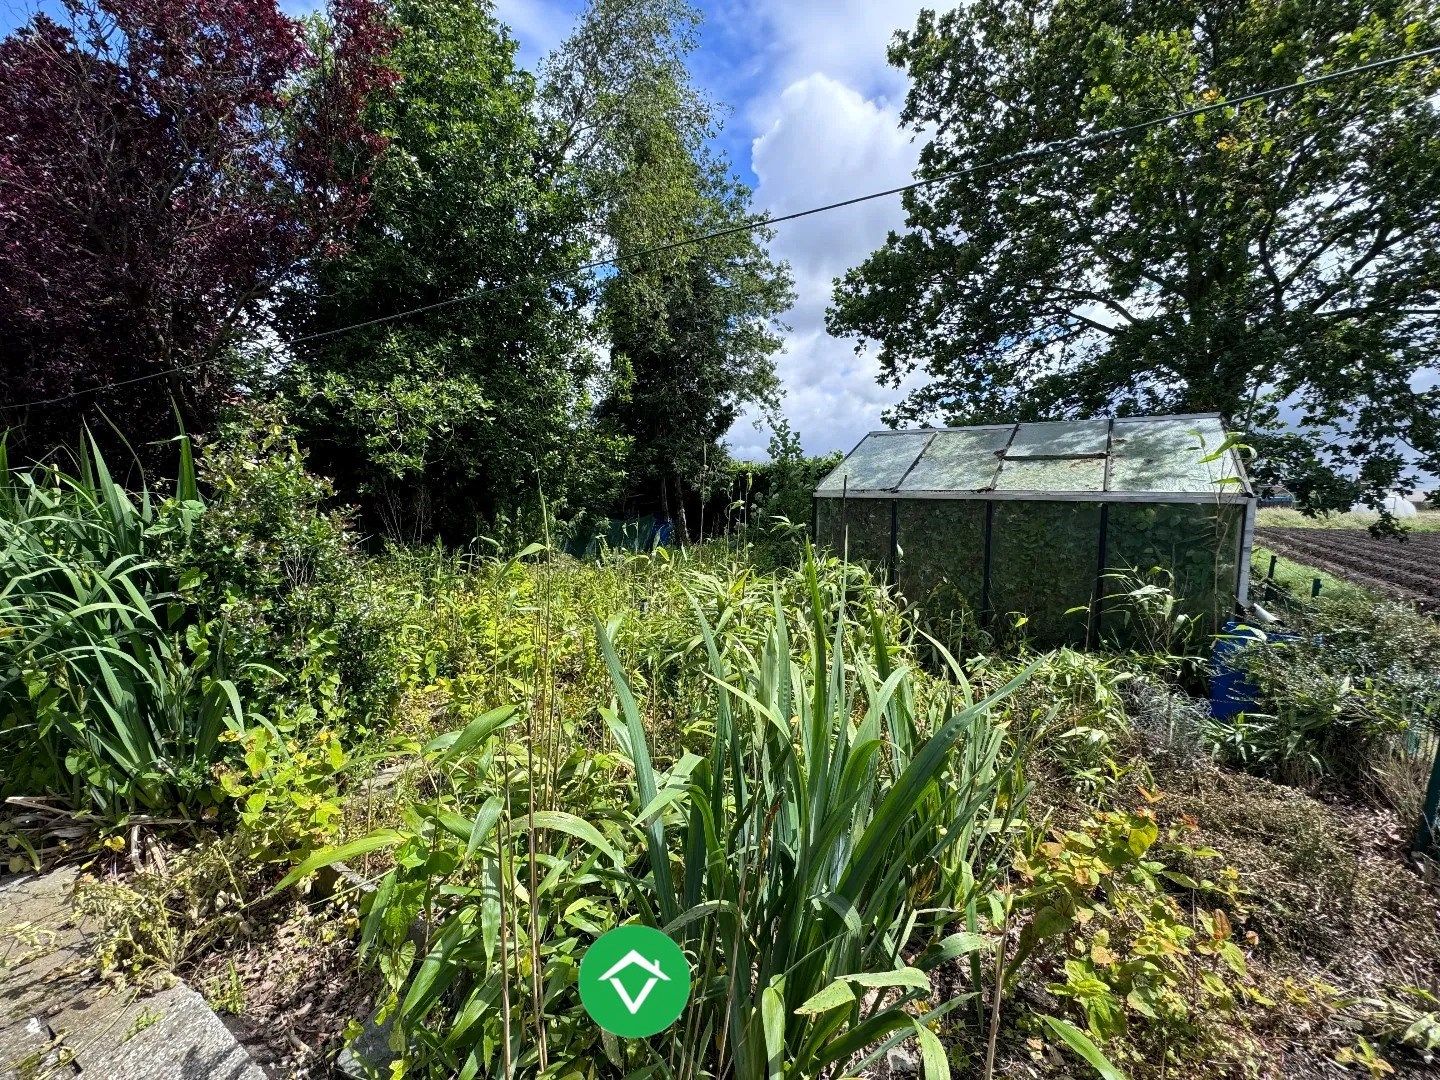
pixel 58 1019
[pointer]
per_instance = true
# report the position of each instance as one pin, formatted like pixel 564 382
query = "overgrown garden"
pixel 446 773
pixel 333 353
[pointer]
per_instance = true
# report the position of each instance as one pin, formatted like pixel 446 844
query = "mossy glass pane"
pixel 1172 455
pixel 961 460
pixel 1044 562
pixel 879 463
pixel 867 522
pixel 1199 544
pixel 1052 474
pixel 942 553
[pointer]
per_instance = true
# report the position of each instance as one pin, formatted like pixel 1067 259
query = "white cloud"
pixel 826 143
pixel 824 105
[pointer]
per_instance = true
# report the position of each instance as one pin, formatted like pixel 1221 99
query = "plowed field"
pixel 1408 568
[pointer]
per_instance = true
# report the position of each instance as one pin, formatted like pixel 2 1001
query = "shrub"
pixel 1360 684
pixel 1068 720
pixel 311 635
pixel 1113 943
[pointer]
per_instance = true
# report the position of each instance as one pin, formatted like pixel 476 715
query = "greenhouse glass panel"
pixel 1171 455
pixel 867 522
pixel 1044 560
pixel 877 464
pixel 1060 438
pixel 1052 474
pixel 942 552
pixel 963 460
pixel 1197 544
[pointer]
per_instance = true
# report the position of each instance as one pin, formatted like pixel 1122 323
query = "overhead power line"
pixel 1047 149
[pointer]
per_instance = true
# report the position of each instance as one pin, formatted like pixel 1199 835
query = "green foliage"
pixel 112 694
pixel 1280 517
pixel 1282 251
pixel 942 564
pixel 781 487
pixel 1194 548
pixel 801 848
pixel 1069 719
pixel 313 639
pixel 844 840
pixel 1359 684
pixel 463 870
pixel 1408 1020
pixel 146 640
pixel 1118 947
pixel 438 422
pixel 286 794
pixel 691 331
pixel 1043 569
pixel 769 503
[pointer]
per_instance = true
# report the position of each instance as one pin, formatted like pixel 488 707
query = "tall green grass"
pixel 110 695
pixel 813 845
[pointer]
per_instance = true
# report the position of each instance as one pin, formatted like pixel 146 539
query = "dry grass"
pixel 1343 916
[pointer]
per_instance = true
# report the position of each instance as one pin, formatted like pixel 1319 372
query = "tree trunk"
pixel 665 503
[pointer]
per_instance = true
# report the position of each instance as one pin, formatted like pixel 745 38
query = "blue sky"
pixel 813 117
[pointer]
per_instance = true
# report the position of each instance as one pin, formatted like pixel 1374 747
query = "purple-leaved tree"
pixel 163 163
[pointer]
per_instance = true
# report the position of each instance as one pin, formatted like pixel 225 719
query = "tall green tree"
pixel 692 339
pixel 690 332
pixel 1277 261
pixel 444 420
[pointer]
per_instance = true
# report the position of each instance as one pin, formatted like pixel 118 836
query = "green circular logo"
pixel 634 981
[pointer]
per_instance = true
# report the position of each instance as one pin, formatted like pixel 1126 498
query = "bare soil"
pixel 1407 567
pixel 288 991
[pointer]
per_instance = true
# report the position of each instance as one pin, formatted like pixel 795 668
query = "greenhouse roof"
pixel 1128 459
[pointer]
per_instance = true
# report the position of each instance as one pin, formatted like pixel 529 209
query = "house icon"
pixel 629 960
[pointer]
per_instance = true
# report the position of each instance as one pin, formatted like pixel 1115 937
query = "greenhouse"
pixel 1056 523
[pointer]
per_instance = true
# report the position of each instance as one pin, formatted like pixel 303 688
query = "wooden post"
pixel 1270 574
pixel 1315 588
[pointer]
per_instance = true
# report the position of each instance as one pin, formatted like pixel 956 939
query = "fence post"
pixel 1427 833
pixel 1315 588
pixel 1270 574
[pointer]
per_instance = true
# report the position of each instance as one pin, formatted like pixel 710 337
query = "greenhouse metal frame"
pixel 1112 479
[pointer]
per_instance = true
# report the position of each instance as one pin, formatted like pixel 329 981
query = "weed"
pixel 113 695
pixel 1105 930
pixel 225 993
pixel 145 1018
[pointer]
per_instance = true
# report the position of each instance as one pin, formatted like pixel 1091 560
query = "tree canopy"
pixel 451 414
pixel 1278 261
pixel 440 266
pixel 162 165
pixel 690 332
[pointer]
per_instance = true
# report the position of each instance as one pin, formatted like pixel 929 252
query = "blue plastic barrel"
pixel 1230 691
